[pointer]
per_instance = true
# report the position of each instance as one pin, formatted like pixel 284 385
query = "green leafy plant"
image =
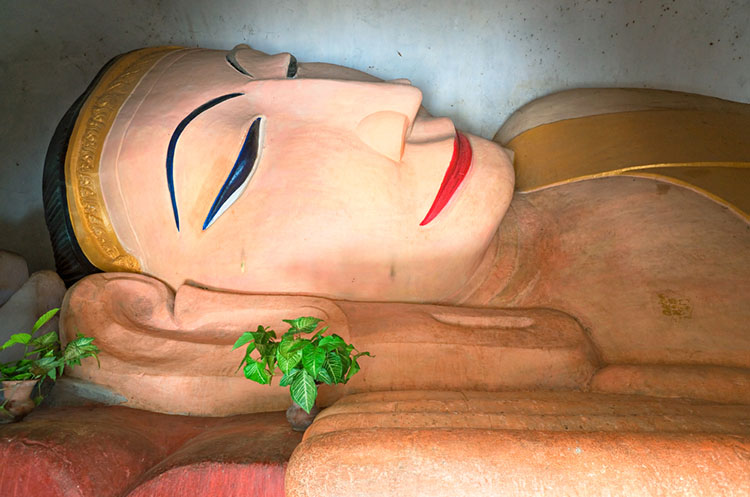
pixel 42 356
pixel 305 362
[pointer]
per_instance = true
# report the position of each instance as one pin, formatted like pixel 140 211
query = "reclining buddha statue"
pixel 193 194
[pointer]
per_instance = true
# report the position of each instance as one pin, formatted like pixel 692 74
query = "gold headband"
pixel 88 214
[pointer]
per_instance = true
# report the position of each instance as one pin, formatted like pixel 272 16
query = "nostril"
pixel 431 129
pixel 291 70
pixel 384 131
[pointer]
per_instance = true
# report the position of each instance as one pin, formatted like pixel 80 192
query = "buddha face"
pixel 249 172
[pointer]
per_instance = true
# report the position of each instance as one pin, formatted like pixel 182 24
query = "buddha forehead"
pixel 186 79
pixel 191 72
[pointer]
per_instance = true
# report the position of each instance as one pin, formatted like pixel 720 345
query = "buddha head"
pixel 248 172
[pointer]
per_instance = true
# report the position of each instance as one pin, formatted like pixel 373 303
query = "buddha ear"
pixel 111 305
pixel 260 65
pixel 198 310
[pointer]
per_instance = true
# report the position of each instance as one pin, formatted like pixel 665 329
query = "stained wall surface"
pixel 476 61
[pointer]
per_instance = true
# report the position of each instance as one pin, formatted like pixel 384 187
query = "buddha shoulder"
pixel 694 141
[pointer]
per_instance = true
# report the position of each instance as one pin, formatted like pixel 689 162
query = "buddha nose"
pixel 385 129
pixel 385 132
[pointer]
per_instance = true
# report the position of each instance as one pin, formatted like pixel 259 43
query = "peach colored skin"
pixel 609 253
pixel 350 161
pixel 623 326
pixel 163 352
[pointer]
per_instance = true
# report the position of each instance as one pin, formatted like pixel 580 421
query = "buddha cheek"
pixel 337 218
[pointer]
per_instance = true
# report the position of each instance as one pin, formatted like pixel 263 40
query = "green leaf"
pixel 21 376
pixel 288 378
pixel 22 338
pixel 78 349
pixel 352 370
pixel 246 337
pixel 313 359
pixel 362 354
pixel 304 391
pixel 335 367
pixel 345 362
pixel 256 371
pixel 17 370
pixel 285 346
pixel 325 377
pixel 83 341
pixel 46 363
pixel 270 356
pixel 332 342
pixel 286 363
pixel 43 319
pixel 299 344
pixel 42 367
pixel 46 341
pixel 263 335
pixel 262 349
pixel 316 337
pixel 306 324
pixel 273 347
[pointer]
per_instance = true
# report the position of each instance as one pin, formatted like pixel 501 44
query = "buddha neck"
pixel 502 271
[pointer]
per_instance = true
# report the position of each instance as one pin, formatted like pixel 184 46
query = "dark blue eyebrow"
pixel 173 144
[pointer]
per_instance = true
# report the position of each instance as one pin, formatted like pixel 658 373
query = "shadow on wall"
pixel 29 238
pixel 24 298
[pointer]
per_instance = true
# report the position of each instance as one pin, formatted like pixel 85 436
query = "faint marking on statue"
pixel 675 307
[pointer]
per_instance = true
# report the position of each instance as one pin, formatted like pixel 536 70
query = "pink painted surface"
pixel 170 334
pixel 657 273
pixel 460 462
pixel 611 286
pixel 217 480
pixel 350 162
pixel 538 294
pixel 480 444
pixel 240 456
pixel 116 451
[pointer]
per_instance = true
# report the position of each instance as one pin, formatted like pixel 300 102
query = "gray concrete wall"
pixel 476 61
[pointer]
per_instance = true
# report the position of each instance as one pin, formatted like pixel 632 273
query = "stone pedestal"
pixel 522 444
pixel 117 452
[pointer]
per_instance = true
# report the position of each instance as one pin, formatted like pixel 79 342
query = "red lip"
pixel 459 166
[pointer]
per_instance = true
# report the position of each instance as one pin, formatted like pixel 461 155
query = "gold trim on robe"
pixel 705 150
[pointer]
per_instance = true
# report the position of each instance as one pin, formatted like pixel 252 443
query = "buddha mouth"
pixel 454 175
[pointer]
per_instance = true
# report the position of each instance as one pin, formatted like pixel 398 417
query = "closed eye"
pixel 173 146
pixel 241 172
